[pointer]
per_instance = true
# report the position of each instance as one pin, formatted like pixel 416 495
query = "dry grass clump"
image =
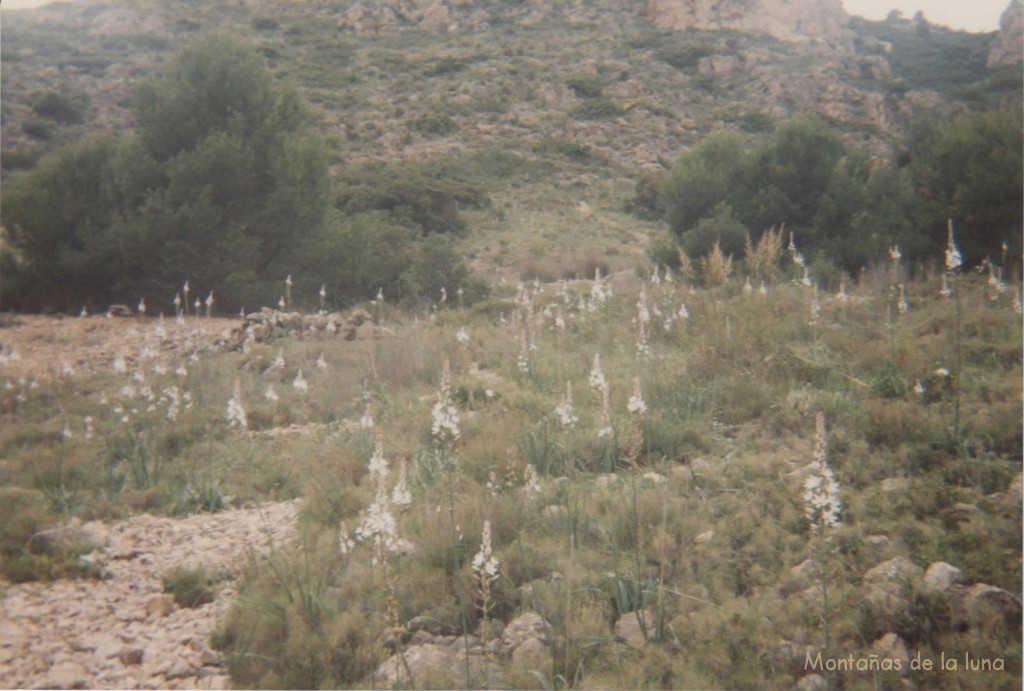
pixel 762 259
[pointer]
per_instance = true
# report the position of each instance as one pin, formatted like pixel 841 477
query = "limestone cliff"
pixel 1008 48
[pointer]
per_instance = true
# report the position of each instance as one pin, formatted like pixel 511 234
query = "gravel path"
pixel 124 632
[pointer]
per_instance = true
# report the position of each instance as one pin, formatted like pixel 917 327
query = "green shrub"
pixel 435 124
pixel 190 586
pixel 598 108
pixel 37 128
pixel 586 86
pixel 59 108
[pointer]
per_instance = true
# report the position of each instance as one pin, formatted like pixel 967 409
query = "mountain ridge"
pixel 662 73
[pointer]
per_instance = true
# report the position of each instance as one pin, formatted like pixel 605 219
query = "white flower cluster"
pixel 598 293
pixel 400 495
pixel 531 481
pixel 236 413
pixel 378 526
pixel 345 542
pixel 643 324
pixel 366 421
pixel 954 260
pixel 485 565
pixel 444 425
pixel 821 491
pixel 300 382
pixel 636 404
pixel 523 359
pixel 798 258
pixel 564 410
pixel 600 385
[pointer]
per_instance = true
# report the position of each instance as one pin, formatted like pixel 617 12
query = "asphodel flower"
pixel 636 404
pixel 821 491
pixel 236 413
pixel 954 260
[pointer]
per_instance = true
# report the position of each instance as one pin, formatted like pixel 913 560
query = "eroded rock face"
pixel 1008 48
pixel 795 21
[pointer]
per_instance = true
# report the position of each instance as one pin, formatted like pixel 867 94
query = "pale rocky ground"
pixel 43 347
pixel 123 631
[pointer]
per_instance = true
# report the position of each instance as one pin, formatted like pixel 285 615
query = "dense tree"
pixel 714 172
pixel 845 207
pixel 970 169
pixel 59 216
pixel 221 183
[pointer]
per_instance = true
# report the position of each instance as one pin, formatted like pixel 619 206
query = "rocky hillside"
pixel 631 82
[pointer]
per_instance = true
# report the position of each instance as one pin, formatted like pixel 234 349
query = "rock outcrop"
pixel 445 661
pixel 268 324
pixel 1008 48
pixel 820 22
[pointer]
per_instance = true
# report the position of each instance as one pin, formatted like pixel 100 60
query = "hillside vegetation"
pixel 603 356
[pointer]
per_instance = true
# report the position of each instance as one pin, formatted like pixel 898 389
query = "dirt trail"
pixel 124 632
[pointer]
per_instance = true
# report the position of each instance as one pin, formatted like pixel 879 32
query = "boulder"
pixel 959 514
pixel 629 630
pixel 525 627
pixel 940 576
pixel 69 539
pixel 67 674
pixel 897 569
pixel 892 647
pixel 986 606
pixel 159 606
pixel 792 656
pixel 812 682
pixel 885 603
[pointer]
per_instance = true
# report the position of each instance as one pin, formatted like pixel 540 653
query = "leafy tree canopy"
pixel 845 207
pixel 223 178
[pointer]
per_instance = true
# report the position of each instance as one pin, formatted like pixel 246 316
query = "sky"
pixel 965 15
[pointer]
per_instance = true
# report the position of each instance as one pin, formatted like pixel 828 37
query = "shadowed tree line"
pixel 223 181
pixel 843 207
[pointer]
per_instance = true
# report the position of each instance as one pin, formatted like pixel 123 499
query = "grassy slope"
pixel 709 542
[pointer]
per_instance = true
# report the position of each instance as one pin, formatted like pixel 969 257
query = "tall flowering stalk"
pixel 378 526
pixel 564 409
pixel 636 404
pixel 444 427
pixel 566 417
pixel 643 319
pixel 600 385
pixel 954 262
pixel 821 495
pixel 485 567
pixel 235 412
